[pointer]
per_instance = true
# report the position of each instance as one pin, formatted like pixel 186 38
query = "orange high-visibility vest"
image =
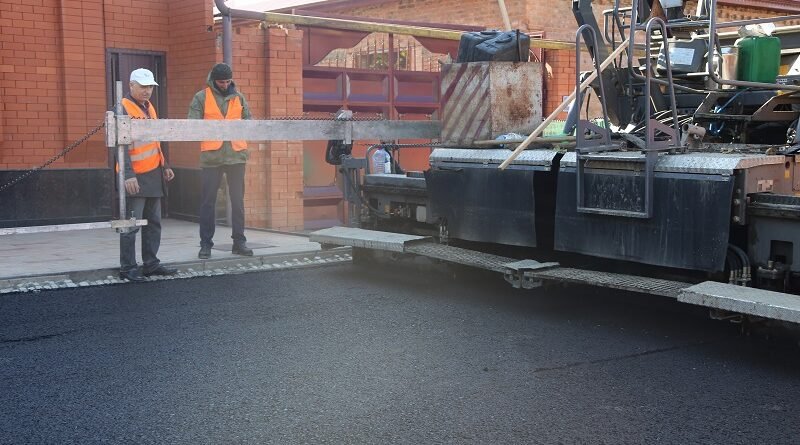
pixel 212 111
pixel 145 155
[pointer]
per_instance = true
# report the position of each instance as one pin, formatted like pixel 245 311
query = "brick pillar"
pixel 559 79
pixel 84 76
pixel 280 165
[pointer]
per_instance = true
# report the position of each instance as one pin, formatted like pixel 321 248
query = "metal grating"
pixel 460 256
pixel 491 156
pixel 631 283
pixel 425 247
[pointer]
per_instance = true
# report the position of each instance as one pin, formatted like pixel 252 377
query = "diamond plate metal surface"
pixel 744 300
pixel 492 156
pixel 653 286
pixel 702 163
pixel 460 256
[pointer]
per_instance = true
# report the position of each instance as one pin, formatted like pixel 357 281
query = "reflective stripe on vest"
pixel 211 111
pixel 145 155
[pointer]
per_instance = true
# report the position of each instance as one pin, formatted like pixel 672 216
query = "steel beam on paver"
pixel 115 224
pixel 127 130
pixel 739 299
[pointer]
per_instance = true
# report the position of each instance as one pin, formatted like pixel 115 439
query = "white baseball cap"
pixel 143 77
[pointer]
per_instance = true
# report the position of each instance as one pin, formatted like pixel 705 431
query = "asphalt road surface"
pixel 347 354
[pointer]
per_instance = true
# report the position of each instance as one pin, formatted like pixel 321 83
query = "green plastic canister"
pixel 759 59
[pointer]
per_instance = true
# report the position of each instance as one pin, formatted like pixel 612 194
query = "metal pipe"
pixel 227 32
pixel 357 25
pixel 121 150
pixel 737 23
pixel 735 266
pixel 227 45
pixel 632 39
pixel 590 32
pixel 365 26
pixel 648 67
pixel 739 251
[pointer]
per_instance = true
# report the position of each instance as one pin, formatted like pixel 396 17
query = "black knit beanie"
pixel 221 71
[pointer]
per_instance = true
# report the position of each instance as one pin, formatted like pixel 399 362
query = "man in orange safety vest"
pixel 145 175
pixel 221 100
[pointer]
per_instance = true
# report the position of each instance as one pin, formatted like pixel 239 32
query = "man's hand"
pixel 169 175
pixel 132 186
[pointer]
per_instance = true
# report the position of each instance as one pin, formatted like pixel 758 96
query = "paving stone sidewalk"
pixel 31 262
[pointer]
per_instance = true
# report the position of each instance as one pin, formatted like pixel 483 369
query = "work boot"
pixel 162 271
pixel 242 249
pixel 132 275
pixel 205 252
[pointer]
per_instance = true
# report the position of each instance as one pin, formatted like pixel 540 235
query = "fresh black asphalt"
pixel 383 354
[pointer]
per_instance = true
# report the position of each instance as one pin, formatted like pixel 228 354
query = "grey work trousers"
pixel 149 209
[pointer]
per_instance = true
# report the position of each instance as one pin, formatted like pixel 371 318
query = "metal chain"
pixel 63 152
pixel 420 144
pixel 325 118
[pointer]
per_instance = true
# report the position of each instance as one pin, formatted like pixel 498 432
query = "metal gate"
pixel 376 75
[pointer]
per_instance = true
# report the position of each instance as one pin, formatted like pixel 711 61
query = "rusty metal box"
pixel 483 100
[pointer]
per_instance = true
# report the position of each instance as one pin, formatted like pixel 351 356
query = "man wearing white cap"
pixel 145 175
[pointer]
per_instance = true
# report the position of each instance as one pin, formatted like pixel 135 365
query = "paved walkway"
pixel 90 257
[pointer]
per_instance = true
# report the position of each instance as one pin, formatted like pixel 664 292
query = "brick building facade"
pixel 58 59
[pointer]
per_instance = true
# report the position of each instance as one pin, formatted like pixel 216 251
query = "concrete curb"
pixel 187 269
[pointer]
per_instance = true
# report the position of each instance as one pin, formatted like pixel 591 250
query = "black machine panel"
pixel 57 196
pixel 689 228
pixel 772 230
pixel 485 204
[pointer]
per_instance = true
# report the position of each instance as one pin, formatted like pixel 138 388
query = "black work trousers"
pixel 142 208
pixel 212 177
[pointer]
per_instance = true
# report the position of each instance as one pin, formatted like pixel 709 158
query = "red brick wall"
pixel 83 72
pixel 195 49
pixel 53 69
pixel 53 81
pixel 143 24
pixel 559 80
pixel 31 117
pixel 283 161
